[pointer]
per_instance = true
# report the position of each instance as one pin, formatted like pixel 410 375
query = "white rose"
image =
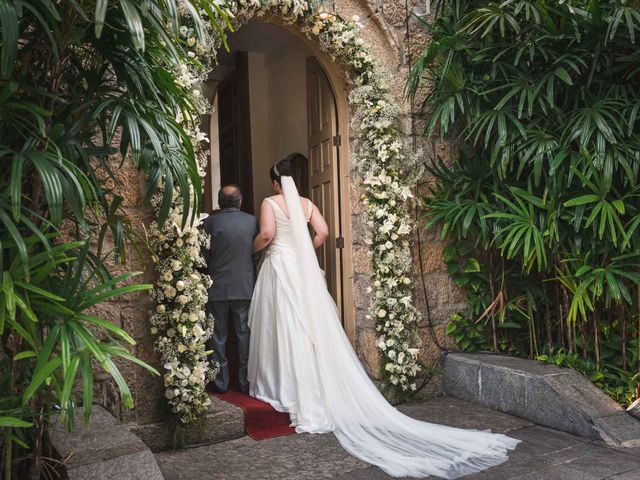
pixel 180 285
pixel 382 313
pixel 161 309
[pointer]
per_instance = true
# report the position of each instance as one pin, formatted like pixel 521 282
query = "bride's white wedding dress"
pixel 301 362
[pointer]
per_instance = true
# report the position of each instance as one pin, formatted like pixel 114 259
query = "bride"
pixel 301 362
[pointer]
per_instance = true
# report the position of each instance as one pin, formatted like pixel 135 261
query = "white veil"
pixel 365 424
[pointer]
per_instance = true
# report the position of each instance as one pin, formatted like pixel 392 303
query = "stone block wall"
pixel 396 44
pixel 131 312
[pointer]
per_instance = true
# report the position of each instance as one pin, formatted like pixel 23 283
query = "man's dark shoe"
pixel 214 389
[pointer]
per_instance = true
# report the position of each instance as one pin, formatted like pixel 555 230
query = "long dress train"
pixel 301 362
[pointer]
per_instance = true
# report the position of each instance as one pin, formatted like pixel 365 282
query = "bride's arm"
pixel 320 227
pixel 267 227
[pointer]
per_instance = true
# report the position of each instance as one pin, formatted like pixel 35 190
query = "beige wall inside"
pixel 214 159
pixel 277 90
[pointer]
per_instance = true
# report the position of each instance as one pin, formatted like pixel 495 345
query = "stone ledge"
pixel 548 395
pixel 104 450
pixel 223 422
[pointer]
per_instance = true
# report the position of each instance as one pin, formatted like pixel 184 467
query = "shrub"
pixel 541 207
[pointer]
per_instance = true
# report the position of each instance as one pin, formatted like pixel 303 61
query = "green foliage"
pixel 82 86
pixel 543 99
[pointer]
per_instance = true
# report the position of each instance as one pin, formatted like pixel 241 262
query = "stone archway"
pixel 379 220
pixel 343 150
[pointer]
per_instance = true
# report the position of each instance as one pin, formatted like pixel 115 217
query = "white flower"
pixel 180 285
pixel 161 309
pixel 382 313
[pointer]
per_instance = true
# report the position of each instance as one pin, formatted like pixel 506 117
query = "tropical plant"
pixel 84 86
pixel 543 99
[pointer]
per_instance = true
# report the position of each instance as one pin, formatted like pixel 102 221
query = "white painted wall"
pixel 277 86
pixel 214 159
pixel 277 96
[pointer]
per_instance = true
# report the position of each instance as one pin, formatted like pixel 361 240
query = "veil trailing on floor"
pixel 366 425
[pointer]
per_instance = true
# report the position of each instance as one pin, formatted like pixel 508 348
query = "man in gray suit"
pixel 231 264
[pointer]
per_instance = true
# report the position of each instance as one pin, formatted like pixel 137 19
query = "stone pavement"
pixel 544 454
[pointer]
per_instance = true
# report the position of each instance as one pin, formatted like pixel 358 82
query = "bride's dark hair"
pixel 283 168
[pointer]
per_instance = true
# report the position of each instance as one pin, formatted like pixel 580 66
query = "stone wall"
pixel 385 31
pixel 132 311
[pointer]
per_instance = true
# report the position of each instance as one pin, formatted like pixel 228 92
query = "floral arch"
pixel 179 321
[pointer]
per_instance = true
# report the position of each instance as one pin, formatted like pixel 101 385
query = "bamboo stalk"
pixel 547 321
pixel 637 392
pixel 623 336
pixel 596 340
pixel 494 334
pixel 8 454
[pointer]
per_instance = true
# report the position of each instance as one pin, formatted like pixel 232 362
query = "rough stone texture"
pixel 544 454
pixel 368 352
pixel 104 450
pixel 618 429
pixel 545 394
pixel 634 409
pixel 223 422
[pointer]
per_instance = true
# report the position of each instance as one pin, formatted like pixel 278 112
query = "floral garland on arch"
pixel 180 322
pixel 180 292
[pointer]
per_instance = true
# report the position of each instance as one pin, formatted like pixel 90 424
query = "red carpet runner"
pixel 261 421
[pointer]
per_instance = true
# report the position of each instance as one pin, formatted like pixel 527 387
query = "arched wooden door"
pixel 323 171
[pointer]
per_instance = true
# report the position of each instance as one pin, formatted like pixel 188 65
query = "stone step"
pixel 104 450
pixel 555 397
pixel 222 422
